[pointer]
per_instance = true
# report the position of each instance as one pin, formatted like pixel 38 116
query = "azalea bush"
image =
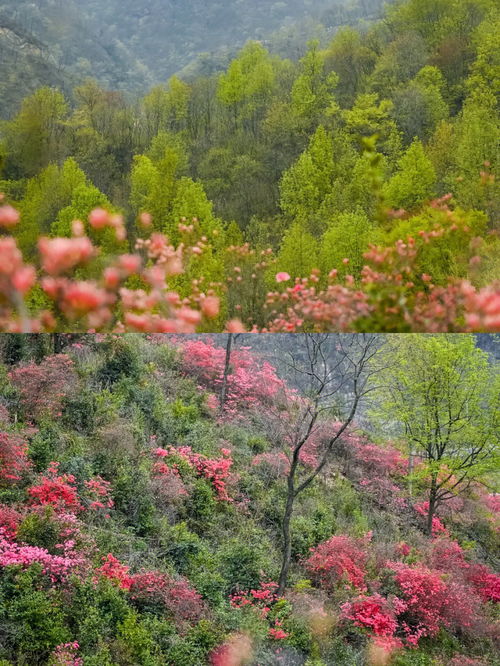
pixel 42 386
pixel 14 462
pixel 340 559
pixel 216 471
pixel 249 383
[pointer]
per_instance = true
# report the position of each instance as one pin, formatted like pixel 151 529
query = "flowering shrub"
pixel 341 558
pixel 214 470
pixel 437 528
pixel 56 490
pixel 428 602
pixel 85 304
pixel 492 501
pixel 485 582
pixel 168 484
pixel 13 458
pixel 403 549
pixel 155 590
pixel 56 567
pixel 393 293
pixel 261 599
pixel 384 492
pixel 43 386
pixel 248 383
pixel 276 632
pixel 98 495
pixel 377 460
pixel 372 613
pixel 9 521
pixel 171 596
pixel 447 555
pixel 66 655
pixel 116 571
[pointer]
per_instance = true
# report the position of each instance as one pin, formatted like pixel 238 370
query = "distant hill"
pixel 57 44
pixel 131 44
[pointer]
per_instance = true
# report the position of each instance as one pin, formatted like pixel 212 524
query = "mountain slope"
pixel 140 527
pixel 129 45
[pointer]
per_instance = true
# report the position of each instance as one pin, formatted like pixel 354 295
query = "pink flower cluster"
pixel 277 633
pixel 217 471
pixel 428 602
pixel 341 558
pixel 392 293
pixel 9 521
pixel 13 458
pixel 57 567
pixel 56 490
pixel 43 386
pixel 378 460
pixel 66 655
pixel 99 495
pixel 437 528
pixel 175 596
pixel 92 304
pixel 261 599
pixel 115 570
pixel 373 613
pixel 249 384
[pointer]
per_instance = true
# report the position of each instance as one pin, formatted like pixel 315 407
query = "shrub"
pixel 161 593
pixel 14 461
pixel 372 613
pixel 341 558
pixel 56 490
pixel 43 386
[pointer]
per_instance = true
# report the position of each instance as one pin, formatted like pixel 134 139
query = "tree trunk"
pixel 411 459
pixel 432 505
pixel 57 343
pixel 227 365
pixel 287 539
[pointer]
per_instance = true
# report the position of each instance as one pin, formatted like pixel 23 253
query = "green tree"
pixel 346 237
pixel 369 117
pixel 414 182
pixel 312 91
pixel 246 85
pixel 476 135
pixel 36 136
pixel 351 59
pixel 298 254
pixel 445 397
pixel 419 107
pixel 46 195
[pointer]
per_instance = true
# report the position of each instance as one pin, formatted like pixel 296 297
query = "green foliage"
pixel 298 252
pixel 33 618
pixel 414 182
pixel 346 237
pixel 229 547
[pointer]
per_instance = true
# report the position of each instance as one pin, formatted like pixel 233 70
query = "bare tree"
pixel 334 373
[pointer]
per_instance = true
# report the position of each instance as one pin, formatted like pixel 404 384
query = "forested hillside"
pixel 355 188
pixel 130 45
pixel 156 510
